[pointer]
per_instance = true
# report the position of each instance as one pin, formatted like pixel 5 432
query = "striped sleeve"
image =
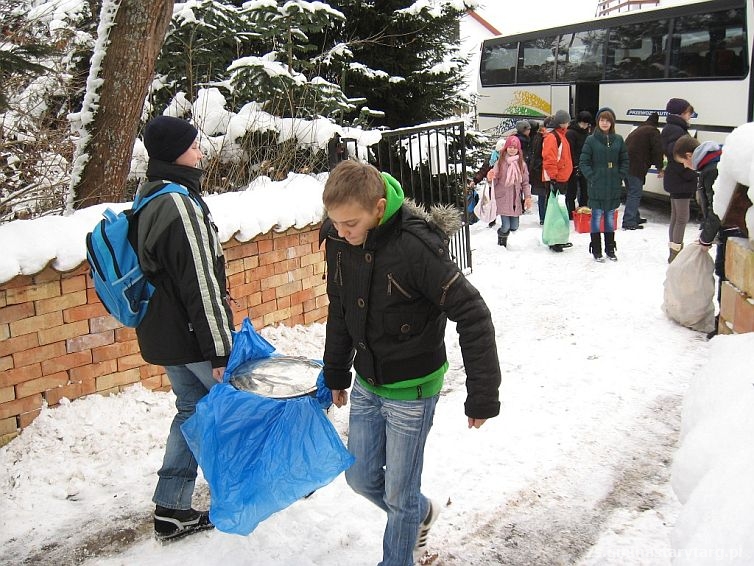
pixel 203 294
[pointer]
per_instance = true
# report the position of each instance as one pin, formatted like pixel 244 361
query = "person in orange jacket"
pixel 556 153
pixel 557 165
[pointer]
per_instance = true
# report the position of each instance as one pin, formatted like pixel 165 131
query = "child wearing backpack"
pixel 188 324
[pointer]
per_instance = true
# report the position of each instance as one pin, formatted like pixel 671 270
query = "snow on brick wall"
pixel 57 340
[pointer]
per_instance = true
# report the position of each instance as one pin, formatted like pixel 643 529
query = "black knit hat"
pixel 167 138
pixel 606 109
pixel 678 106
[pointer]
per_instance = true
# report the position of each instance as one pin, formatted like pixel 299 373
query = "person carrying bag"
pixel 557 228
pixel 556 170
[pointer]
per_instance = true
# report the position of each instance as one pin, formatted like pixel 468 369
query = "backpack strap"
pixel 140 202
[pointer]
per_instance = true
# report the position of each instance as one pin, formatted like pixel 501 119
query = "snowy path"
pixel 574 471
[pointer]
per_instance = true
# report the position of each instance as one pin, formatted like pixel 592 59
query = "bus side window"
pixel 536 63
pixel 702 45
pixel 637 51
pixel 498 64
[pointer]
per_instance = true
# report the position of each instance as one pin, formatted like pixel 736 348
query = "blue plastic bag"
pixel 247 345
pixel 259 454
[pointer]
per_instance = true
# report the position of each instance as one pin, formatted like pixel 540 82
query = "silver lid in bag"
pixel 278 377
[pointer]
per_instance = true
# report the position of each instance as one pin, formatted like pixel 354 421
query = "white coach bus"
pixel 633 63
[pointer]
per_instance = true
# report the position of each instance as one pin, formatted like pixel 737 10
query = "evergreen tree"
pixel 406 58
pixel 203 39
pixel 259 52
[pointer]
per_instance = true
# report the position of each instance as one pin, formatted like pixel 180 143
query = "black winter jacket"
pixel 535 167
pixel 389 302
pixel 188 319
pixel 576 136
pixel 525 148
pixel 679 181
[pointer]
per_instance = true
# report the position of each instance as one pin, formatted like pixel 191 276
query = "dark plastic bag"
pixel 258 454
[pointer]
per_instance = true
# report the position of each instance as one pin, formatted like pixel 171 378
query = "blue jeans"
pixel 177 475
pixel 508 224
pixel 597 214
pixel 633 198
pixel 387 438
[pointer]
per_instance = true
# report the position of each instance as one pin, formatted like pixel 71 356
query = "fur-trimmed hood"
pixel 444 216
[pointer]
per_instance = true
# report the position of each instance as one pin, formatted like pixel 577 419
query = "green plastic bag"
pixel 556 227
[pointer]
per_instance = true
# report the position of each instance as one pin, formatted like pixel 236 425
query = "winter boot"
pixel 675 249
pixel 610 246
pixel 172 524
pixel 502 238
pixel 596 247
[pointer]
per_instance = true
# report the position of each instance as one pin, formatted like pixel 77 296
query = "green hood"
pixel 393 195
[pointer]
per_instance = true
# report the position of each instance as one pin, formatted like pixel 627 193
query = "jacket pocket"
pixel 404 324
pixel 394 286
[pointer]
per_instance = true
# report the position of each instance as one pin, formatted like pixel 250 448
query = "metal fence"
pixel 430 164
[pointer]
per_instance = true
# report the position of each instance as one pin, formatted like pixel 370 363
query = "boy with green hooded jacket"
pixel 392 286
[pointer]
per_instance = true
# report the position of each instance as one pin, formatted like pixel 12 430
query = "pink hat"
pixel 512 141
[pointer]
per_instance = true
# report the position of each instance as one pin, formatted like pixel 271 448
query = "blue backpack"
pixel 111 251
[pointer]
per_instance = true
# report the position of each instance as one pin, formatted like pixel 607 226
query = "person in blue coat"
pixel 604 163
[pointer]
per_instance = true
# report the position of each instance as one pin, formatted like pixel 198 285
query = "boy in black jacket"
pixel 392 285
pixel 188 323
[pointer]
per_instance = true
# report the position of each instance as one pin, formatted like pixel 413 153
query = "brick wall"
pixel 737 294
pixel 57 340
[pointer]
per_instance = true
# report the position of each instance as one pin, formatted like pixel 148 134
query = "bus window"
pixel 637 51
pixel 498 64
pixel 709 45
pixel 580 56
pixel 536 62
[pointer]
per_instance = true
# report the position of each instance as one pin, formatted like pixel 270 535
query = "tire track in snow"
pixel 542 526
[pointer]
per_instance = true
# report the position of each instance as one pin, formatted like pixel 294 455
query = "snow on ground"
pixel 575 470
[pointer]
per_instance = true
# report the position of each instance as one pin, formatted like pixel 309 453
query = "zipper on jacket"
pixel 338 277
pixel 392 282
pixel 447 286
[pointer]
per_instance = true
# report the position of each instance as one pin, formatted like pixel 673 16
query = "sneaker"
pixel 637 227
pixel 172 524
pixel 425 527
pixel 641 221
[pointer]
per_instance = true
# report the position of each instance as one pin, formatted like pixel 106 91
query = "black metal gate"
pixel 430 164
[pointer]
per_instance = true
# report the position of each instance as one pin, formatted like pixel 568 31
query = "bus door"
pixel 586 96
pixel 560 98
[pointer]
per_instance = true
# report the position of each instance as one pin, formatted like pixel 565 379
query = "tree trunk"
pixel 127 69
